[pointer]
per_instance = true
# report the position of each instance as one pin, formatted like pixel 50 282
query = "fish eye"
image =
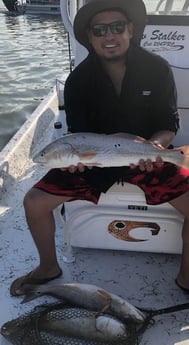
pixel 42 153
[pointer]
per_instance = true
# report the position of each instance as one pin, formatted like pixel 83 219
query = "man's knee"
pixel 31 198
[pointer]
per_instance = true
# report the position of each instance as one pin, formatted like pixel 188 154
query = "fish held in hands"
pixel 106 150
pixel 88 296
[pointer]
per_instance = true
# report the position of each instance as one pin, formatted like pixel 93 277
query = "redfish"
pixel 90 297
pixel 106 150
pixel 63 324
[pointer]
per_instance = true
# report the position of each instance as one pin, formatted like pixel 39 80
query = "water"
pixel 33 53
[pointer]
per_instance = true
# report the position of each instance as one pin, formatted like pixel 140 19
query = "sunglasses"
pixel 116 28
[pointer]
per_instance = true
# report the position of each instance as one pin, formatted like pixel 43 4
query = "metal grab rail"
pixel 66 11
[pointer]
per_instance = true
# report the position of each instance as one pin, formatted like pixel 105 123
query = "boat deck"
pixel 145 280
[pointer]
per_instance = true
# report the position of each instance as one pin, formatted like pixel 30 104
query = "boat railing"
pixel 68 11
pixel 44 2
pixel 167 7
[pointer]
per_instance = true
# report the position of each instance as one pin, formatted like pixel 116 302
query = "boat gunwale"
pixel 18 152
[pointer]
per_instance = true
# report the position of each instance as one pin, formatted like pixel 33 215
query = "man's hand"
pixel 160 139
pixel 148 165
pixel 73 168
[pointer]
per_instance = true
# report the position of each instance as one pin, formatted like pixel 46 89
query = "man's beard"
pixel 114 58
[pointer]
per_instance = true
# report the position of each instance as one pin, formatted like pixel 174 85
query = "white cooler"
pixel 122 221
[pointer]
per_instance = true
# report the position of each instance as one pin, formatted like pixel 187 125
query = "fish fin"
pixel 31 292
pixel 28 297
pixel 106 295
pixel 86 155
pixel 104 310
pixel 107 298
pixel 184 161
pixel 130 137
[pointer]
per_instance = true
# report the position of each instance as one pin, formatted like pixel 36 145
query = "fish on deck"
pixel 62 324
pixel 88 296
pixel 67 324
pixel 106 150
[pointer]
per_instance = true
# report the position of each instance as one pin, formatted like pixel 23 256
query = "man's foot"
pixel 181 286
pixel 17 286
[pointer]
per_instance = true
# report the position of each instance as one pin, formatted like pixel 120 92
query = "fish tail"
pixel 30 293
pixel 184 156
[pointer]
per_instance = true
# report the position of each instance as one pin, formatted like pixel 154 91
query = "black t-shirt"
pixel 147 102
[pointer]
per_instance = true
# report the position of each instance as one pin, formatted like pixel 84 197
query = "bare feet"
pixel 181 284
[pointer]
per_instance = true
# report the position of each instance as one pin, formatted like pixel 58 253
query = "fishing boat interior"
pixel 122 244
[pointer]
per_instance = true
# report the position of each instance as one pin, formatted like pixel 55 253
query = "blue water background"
pixel 33 53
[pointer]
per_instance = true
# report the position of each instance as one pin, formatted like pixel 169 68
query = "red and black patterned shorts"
pixel 159 186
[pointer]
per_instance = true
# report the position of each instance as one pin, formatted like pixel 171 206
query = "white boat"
pixel 49 7
pixel 141 271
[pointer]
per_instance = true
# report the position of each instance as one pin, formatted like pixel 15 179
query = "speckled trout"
pixel 106 150
pixel 88 296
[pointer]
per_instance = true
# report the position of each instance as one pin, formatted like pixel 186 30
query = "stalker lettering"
pixel 175 36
